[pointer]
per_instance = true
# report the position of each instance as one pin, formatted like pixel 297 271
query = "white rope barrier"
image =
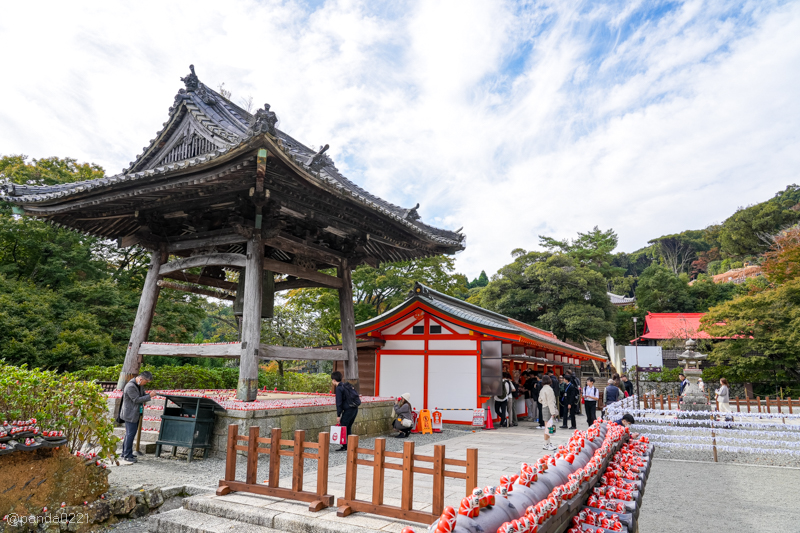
pixel 614 410
pixel 659 439
pixel 716 424
pixel 732 449
pixel 649 429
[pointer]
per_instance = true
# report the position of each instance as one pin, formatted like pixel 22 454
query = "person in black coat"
pixel 346 408
pixel 569 400
pixel 684 383
pixel 627 384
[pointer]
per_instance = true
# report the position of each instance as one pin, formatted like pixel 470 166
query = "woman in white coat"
pixel 547 398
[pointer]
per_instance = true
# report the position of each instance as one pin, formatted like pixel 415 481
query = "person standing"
pixel 628 386
pixel 569 401
pixel 501 400
pixel 347 402
pixel 512 401
pixel 531 395
pixel 133 399
pixel 548 400
pixel 684 384
pixel 590 397
pixel 537 392
pixel 724 397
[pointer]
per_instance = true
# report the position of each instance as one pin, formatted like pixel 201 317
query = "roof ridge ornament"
pixel 411 214
pixel 265 121
pixel 320 159
pixel 192 81
pixel 419 290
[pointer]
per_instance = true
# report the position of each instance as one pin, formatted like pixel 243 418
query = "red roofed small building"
pixel 669 326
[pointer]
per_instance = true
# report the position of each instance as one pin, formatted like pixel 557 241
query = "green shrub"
pixel 666 375
pixel 58 402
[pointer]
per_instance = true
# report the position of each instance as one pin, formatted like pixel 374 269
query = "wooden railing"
pixel 379 464
pixel 750 404
pixel 272 446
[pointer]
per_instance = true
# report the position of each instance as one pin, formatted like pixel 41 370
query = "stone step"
pixel 186 521
pixel 147 436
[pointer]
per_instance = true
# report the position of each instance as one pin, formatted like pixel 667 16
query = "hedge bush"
pixel 58 402
pixel 197 377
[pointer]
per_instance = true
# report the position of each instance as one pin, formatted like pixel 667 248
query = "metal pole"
pixel 636 343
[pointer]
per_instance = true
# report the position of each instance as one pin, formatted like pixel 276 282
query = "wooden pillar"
pixel 144 318
pixel 348 320
pixel 251 319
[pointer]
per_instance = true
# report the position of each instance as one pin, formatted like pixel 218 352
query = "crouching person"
pixel 404 419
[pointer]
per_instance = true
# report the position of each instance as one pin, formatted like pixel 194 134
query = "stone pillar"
pixel 348 320
pixel 144 318
pixel 251 319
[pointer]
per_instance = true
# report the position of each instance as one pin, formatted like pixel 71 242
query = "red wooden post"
pixel 407 495
pixel 758 403
pixel 252 456
pixel 661 399
pixel 472 469
pixel 768 410
pixel 230 458
pixel 738 407
pixel 790 404
pixel 352 468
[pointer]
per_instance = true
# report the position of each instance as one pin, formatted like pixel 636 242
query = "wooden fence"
pixel 272 446
pixel 749 404
pixel 379 465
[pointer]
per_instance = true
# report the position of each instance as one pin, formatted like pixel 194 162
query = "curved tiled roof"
pixel 230 127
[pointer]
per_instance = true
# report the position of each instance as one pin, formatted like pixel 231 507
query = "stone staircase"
pixel 249 513
pixel 150 425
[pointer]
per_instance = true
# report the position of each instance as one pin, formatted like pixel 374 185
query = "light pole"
pixel 636 343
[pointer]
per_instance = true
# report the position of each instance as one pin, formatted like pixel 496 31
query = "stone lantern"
pixel 693 398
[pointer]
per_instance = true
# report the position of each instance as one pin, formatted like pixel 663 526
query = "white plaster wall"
pixel 452 345
pixel 400 326
pixel 457 329
pixel 401 374
pixel 404 345
pixel 452 383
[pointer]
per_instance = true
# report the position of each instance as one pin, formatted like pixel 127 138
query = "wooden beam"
pixel 217 240
pixel 348 321
pixel 195 290
pixel 228 350
pixel 143 320
pixel 298 284
pixel 294 245
pixel 287 353
pixel 300 272
pixel 234 260
pixel 202 280
pixel 247 389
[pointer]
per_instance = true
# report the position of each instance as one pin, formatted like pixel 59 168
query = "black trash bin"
pixel 190 424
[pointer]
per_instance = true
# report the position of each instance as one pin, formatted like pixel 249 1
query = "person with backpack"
pixel 347 402
pixel 501 400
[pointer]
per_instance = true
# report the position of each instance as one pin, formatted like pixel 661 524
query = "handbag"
pixel 406 423
pixel 338 435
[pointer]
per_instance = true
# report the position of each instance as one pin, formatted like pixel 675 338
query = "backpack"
pixel 351 397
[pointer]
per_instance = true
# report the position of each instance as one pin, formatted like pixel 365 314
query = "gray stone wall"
pixel 673 388
pixel 374 418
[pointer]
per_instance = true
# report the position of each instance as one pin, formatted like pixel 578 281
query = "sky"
pixel 509 119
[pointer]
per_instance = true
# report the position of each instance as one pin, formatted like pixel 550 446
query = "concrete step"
pixel 147 436
pixel 186 521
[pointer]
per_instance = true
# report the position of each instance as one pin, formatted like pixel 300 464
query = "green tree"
pixel 592 249
pixel 661 291
pixel 747 232
pixel 480 281
pixel 552 292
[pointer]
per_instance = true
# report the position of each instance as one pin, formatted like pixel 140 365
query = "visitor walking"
pixel 684 384
pixel 133 399
pixel 590 397
pixel 403 417
pixel 347 402
pixel 627 385
pixel 724 397
pixel 512 402
pixel 548 400
pixel 538 391
pixel 612 393
pixel 531 395
pixel 569 401
pixel 701 385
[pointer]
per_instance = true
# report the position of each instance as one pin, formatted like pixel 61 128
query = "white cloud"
pixel 511 119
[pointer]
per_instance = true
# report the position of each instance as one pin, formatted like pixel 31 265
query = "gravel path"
pixel 691 497
pixel 166 471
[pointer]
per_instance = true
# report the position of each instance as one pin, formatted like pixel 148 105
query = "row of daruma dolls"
pixel 538 498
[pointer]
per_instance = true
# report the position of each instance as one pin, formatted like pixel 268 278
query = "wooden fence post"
pixel 275 457
pixel 407 495
pixel 230 459
pixel 298 463
pixel 758 403
pixel 252 456
pixel 322 463
pixel 768 410
pixel 378 471
pixel 661 399
pixel 438 480
pixel 472 469
pixel 714 443
pixel 738 407
pixel 790 404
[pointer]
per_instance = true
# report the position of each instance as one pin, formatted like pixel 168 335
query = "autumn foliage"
pixel 782 262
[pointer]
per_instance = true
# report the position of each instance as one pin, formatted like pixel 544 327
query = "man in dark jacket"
pixel 684 383
pixel 627 384
pixel 133 399
pixel 346 406
pixel 569 401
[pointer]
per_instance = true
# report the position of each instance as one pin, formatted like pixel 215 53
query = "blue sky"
pixel 511 119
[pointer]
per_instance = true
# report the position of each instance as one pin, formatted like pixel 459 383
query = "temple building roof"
pixel 193 177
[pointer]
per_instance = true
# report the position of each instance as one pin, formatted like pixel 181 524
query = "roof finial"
pixel 265 121
pixel 319 160
pixel 192 81
pixel 412 214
